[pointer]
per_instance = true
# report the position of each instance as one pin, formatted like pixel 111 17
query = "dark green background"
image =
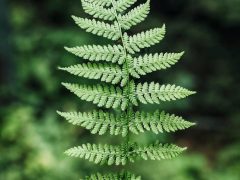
pixel 33 138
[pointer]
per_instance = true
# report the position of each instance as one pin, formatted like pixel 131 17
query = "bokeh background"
pixel 32 136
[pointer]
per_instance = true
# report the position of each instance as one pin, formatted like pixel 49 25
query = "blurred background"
pixel 32 136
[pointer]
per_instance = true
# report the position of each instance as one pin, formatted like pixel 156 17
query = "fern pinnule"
pixel 97 11
pixel 109 53
pixel 99 28
pixel 153 62
pixel 123 5
pixel 155 93
pixel 135 16
pixel 105 72
pixel 144 39
pixel 157 122
pixel 103 96
pixel 98 122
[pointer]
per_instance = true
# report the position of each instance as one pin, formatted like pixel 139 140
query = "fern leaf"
pixel 153 62
pixel 103 96
pixel 135 16
pixel 101 122
pixel 120 155
pixel 154 93
pixel 98 122
pixel 158 151
pixel 122 5
pixel 99 28
pixel 144 39
pixel 98 11
pixel 99 154
pixel 157 122
pixel 114 176
pixel 105 72
pixel 114 54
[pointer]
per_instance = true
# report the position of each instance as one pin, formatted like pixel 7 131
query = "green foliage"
pixel 33 137
pixel 120 68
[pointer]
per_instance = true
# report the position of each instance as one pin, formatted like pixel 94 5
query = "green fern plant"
pixel 118 65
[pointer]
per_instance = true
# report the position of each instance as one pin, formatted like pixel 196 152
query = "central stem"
pixel 129 105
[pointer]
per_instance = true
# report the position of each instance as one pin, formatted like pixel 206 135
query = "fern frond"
pixel 120 66
pixel 105 72
pixel 98 11
pixel 144 39
pixel 158 151
pixel 114 53
pixel 157 122
pixel 135 16
pixel 98 122
pixel 114 176
pixel 99 154
pixel 154 93
pixel 103 96
pixel 99 28
pixel 122 5
pixel 153 62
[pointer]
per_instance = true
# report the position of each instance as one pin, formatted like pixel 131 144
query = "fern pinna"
pixel 119 65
